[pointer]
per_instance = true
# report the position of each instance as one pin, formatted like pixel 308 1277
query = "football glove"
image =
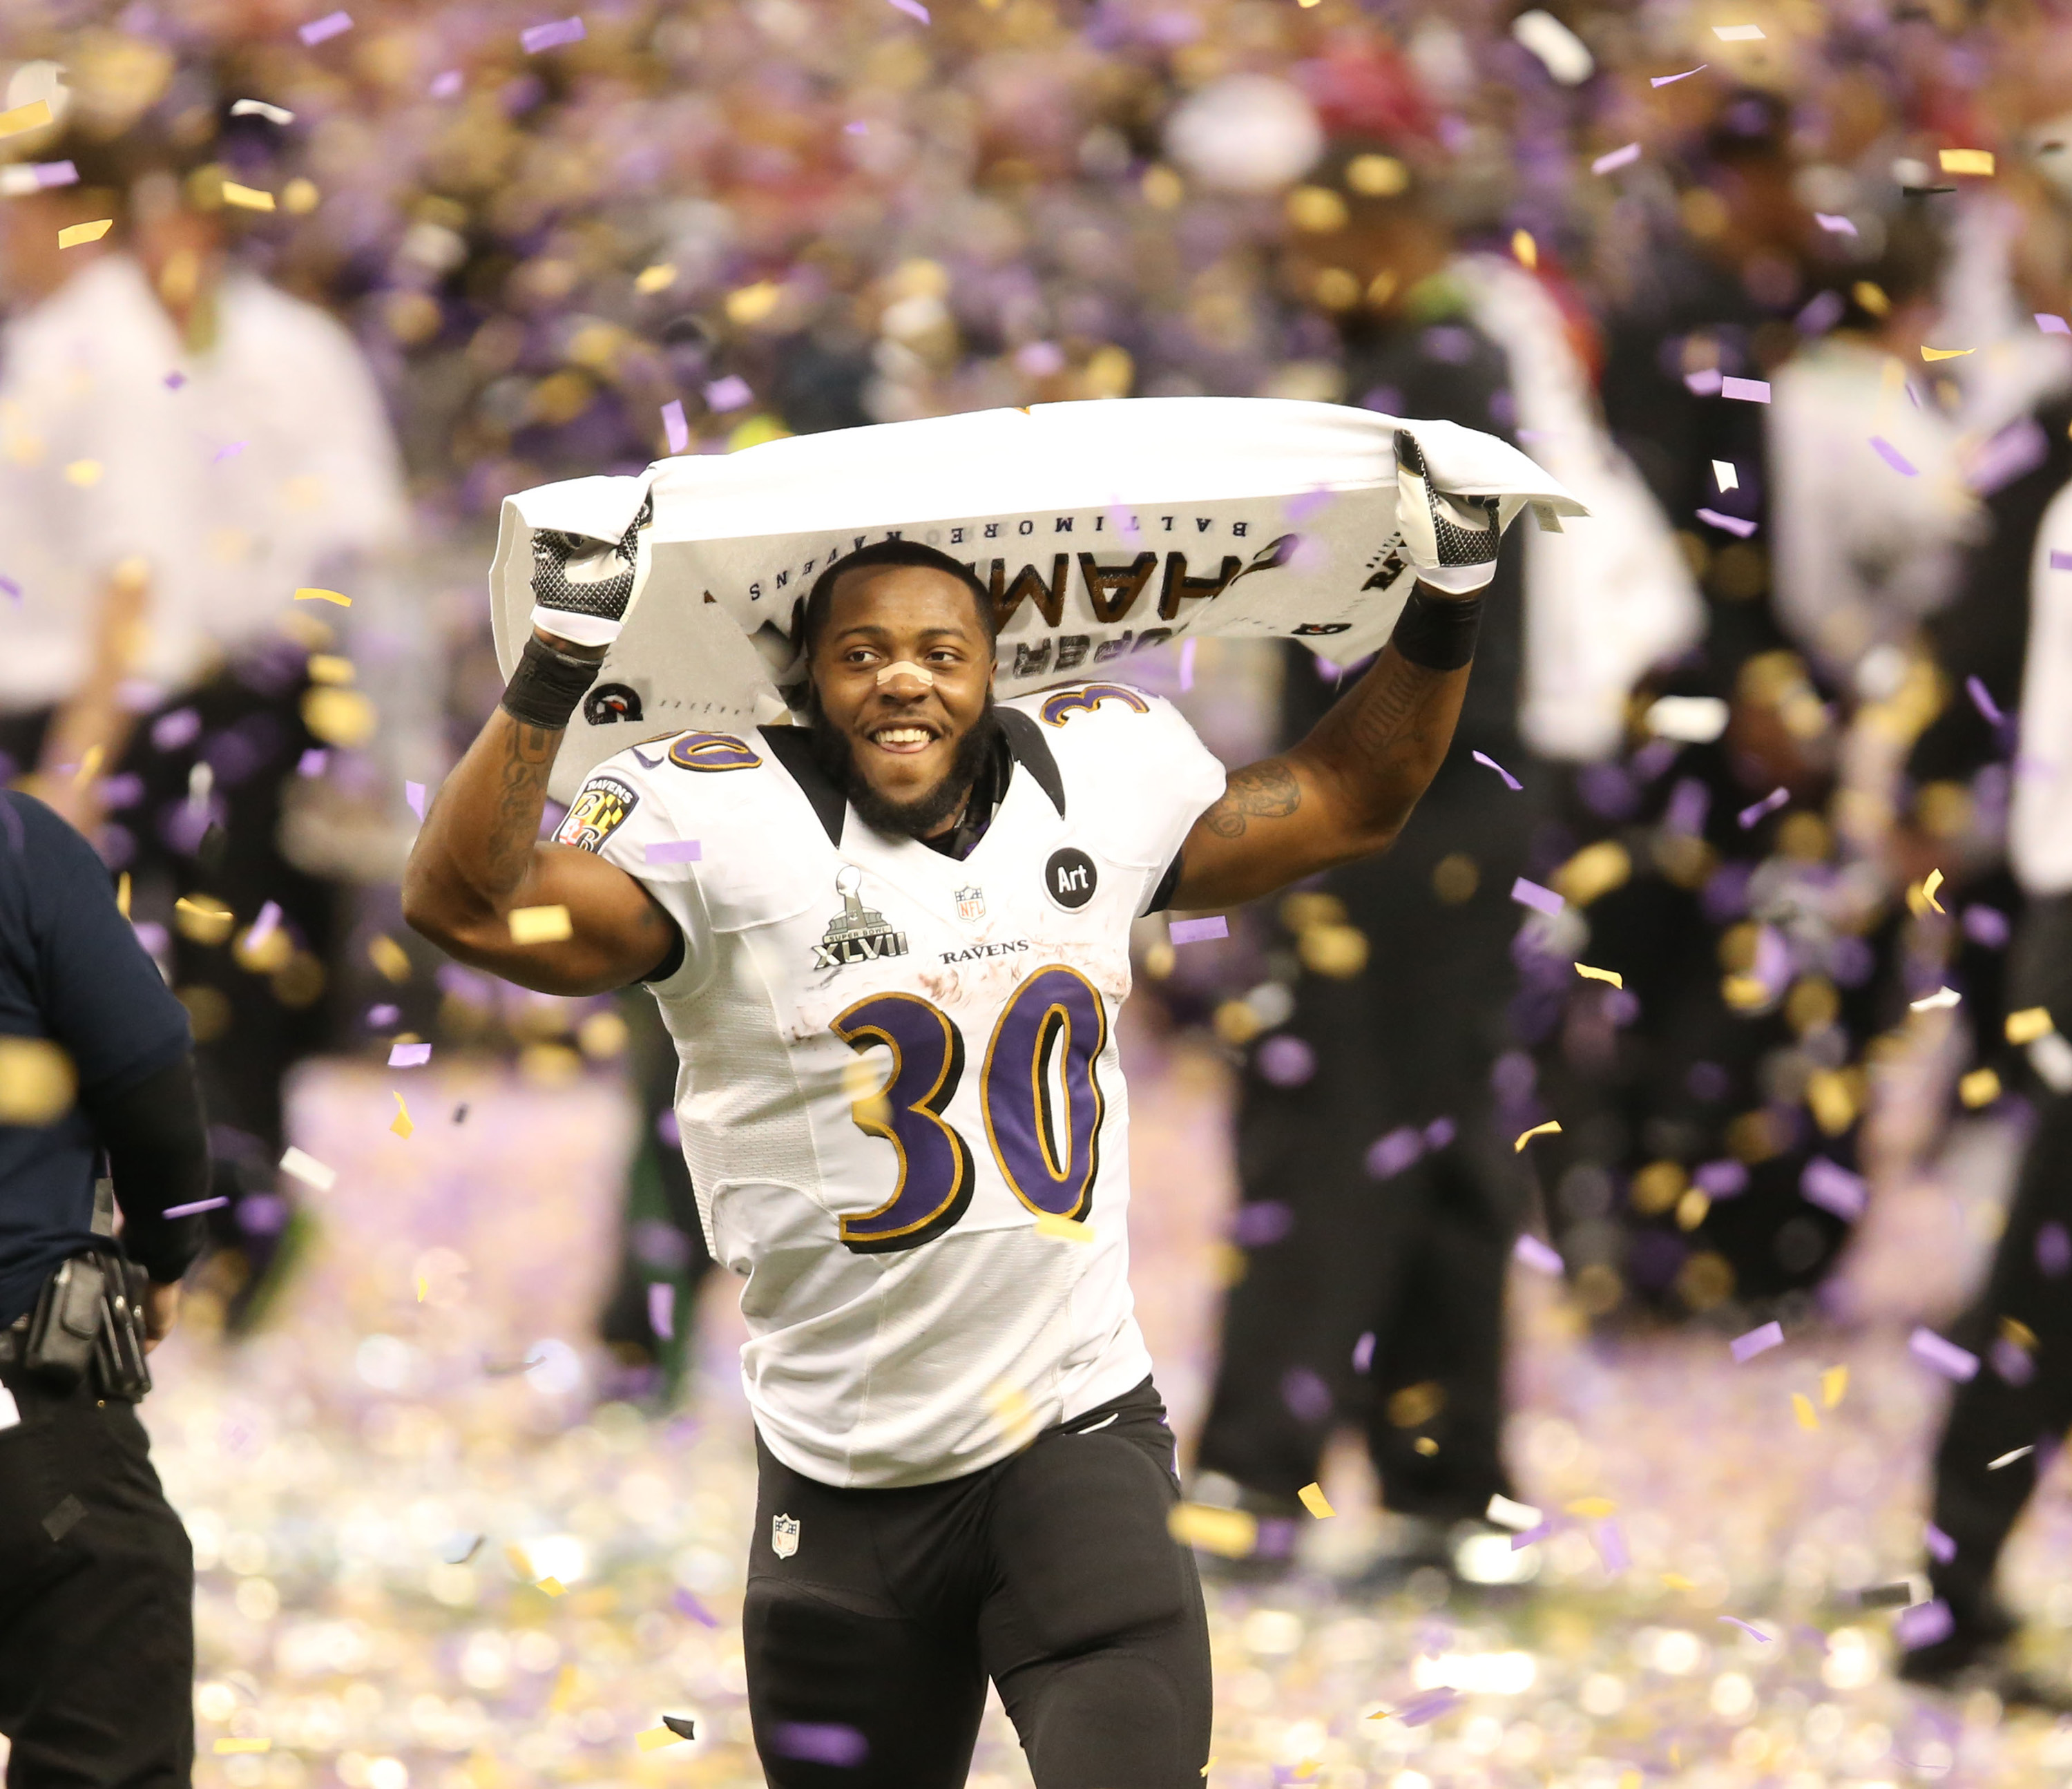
pixel 1451 541
pixel 584 588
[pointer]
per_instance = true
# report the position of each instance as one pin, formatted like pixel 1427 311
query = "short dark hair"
pixel 894 552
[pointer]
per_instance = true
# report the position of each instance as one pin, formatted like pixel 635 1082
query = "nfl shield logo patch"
pixel 971 903
pixel 784 1535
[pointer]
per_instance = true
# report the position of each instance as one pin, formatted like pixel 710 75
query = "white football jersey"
pixel 899 1070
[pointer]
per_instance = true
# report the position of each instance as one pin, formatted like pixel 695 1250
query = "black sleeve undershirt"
pixel 157 1153
pixel 1161 896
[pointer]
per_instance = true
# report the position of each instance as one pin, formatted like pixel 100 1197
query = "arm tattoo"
pixel 1384 738
pixel 1264 791
pixel 528 755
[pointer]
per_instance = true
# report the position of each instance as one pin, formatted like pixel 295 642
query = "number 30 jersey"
pixel 900 1093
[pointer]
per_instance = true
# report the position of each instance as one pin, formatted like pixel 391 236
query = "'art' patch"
pixel 601 808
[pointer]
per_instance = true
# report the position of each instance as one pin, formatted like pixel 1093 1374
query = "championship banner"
pixel 1103 528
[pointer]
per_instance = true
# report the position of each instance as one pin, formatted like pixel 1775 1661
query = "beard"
pixel 924 814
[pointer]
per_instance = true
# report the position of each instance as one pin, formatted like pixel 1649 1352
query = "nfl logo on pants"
pixel 784 1535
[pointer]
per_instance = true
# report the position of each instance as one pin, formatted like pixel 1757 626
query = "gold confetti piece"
pixel 32 116
pixel 72 235
pixel 424 1285
pixel 1550 1129
pixel 1872 297
pixel 658 279
pixel 1064 1229
pixel 565 1690
pixel 1316 1502
pixel 388 957
pixel 311 593
pixel 655 1738
pixel 551 1587
pixel 1526 250
pixel 1802 1407
pixel 2018 1333
pixel 1967 160
pixel 203 920
pixel 83 473
pixel 1012 1411
pixel 248 198
pixel 540 925
pixel 1981 1088
pixel 224 1746
pixel 1612 976
pixel 89 765
pixel 1592 1508
pixel 37 1081
pixel 329 668
pixel 402 1128
pixel 2030 1024
pixel 1834 1382
pixel 1228 1533
pixel 514 1557
pixel 122 894
pixel 1920 897
pixel 1426 1446
pixel 1946 353
pixel 1676 1581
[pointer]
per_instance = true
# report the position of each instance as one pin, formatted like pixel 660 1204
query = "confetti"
pixel 1834 1382
pixel 1945 1357
pixel 1752 1631
pixel 1739 526
pixel 1612 976
pixel 821 1742
pixel 1922 192
pixel 662 1310
pixel 672 851
pixel 196 1207
pixel 259 108
pixel 1507 1514
pixel 1966 160
pixel 689 1605
pixel 1227 1533
pixel 32 116
pixel 307 1168
pixel 1550 1129
pixel 1536 1255
pixel 1941 999
pixel 2027 1025
pixel 1692 720
pixel 1924 1624
pixel 444 86
pixel 1363 1351
pixel 1510 782
pixel 1834 225
pixel 1928 884
pixel 1421 1711
pixel 655 1738
pixel 913 9
pixel 1982 700
pixel 464 1548
pixel 320 30
pixel 2051 325
pixel 1946 353
pixel 540 925
pixel 1316 1502
pixel 1802 1408
pixel 1940 1547
pixel 1531 895
pixel 402 1125
pixel 1525 248
pixel 2010 1457
pixel 225 1747
pixel 1979 1088
pixel 1187 663
pixel 1738 34
pixel 1887 1596
pixel 1564 55
pixel 1196 931
pixel 414 794
pixel 1063 1229
pixel 409 1055
pixel 1618 159
pixel 311 594
pixel 1747 391
pixel 674 426
pixel 551 37
pixel 312 762
pixel 1755 810
pixel 248 198
pixel 66 1517
pixel 1725 476
pixel 729 393
pixel 1744 1348
pixel 551 1587
pixel 74 234
pixel 659 277
pixel 1671 81
pixel 1893 457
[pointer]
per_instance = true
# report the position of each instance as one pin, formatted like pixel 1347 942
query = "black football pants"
pixel 1051 1573
pixel 97 1602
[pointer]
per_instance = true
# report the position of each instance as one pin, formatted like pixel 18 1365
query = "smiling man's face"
pixel 903 670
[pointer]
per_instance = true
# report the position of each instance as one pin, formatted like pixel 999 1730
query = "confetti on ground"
pixel 402 1125
pixel 1228 1533
pixel 32 116
pixel 1739 526
pixel 1671 81
pixel 673 851
pixel 66 1517
pixel 1510 782
pixel 1315 1502
pixel 1942 998
pixel 1755 810
pixel 1744 1348
pixel 2010 1457
pixel 1802 1408
pixel 409 1055
pixel 1834 224
pixel 311 594
pixel 72 235
pixel 1616 159
pixel 196 1207
pixel 307 1169
pixel 1531 895
pixel 1893 457
pixel 1063 1229
pixel 1966 160
pixel 674 426
pixel 1536 1255
pixel 1746 391
pixel 551 37
pixel 320 30
pixel 1725 476
pixel 1612 976
pixel 1196 931
pixel 1738 34
pixel 250 199
pixel 1550 1129
pixel 540 925
pixel 1945 1357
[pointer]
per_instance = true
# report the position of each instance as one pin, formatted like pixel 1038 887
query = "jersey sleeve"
pixel 1184 779
pixel 626 817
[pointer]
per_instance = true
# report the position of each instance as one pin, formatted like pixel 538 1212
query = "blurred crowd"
pixel 1779 287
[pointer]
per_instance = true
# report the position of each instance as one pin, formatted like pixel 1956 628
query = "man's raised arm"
pixel 479 858
pixel 1344 791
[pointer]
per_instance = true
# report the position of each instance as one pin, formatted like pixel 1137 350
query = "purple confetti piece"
pixel 1735 1621
pixel 1924 1624
pixel 12 589
pixel 1286 1062
pixel 1982 700
pixel 913 9
pixel 1525 1537
pixel 1940 1547
pixel 174 381
pixel 1689 803
pixel 1196 931
pixel 673 425
pixel 230 451
pixel 321 30
pixel 662 1310
pixel 2052 326
pixel 1893 457
pixel 729 393
pixel 1987 926
pixel 55 174
pixel 856 128
pixel 689 1605
pixel 1671 81
pixel 2059 562
pixel 2021 447
pixel 1616 159
pixel 1301 507
pixel 1704 383
pixel 1944 1357
pixel 414 794
pixel 385 1013
pixel 1307 1397
pixel 2012 1362
pixel 1421 1710
pixel 1833 1188
pixel 1536 1255
pixel 1187 664
pixel 312 762
pixel 409 1055
pixel 1439 1133
pixel 1755 810
pixel 820 1743
pixel 1510 782
pixel 1739 526
pixel 551 37
pixel 1721 1179
pixel 2054 1250
pixel 1260 1224
pixel 1531 895
pixel 1747 391
pixel 171 731
pixel 444 86
pixel 1823 311
pixel 1363 1352
pixel 673 851
pixel 1389 1156
pixel 196 1207
pixel 262 927
pixel 1611 1546
pixel 1834 226
pixel 1744 1348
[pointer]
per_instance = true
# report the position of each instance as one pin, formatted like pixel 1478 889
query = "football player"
pixel 891 944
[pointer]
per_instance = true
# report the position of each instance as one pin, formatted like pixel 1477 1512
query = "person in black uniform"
pixel 96 1578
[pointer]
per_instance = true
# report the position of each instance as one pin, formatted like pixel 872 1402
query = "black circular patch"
pixel 610 702
pixel 1069 878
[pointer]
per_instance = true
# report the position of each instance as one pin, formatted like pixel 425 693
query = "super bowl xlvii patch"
pixel 601 806
pixel 784 1535
pixel 858 934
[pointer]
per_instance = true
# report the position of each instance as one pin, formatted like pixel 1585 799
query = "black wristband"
pixel 545 688
pixel 1438 632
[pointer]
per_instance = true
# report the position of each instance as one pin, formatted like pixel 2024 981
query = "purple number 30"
pixel 1046 1142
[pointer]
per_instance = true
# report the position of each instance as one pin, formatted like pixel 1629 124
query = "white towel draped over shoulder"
pixel 1104 529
